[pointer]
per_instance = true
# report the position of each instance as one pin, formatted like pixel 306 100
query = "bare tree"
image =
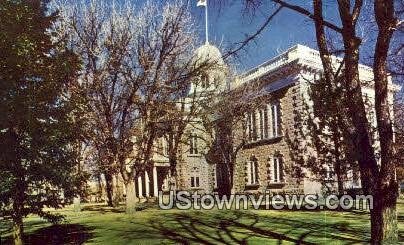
pixel 193 110
pixel 171 98
pixel 137 69
pixel 230 129
pixel 102 36
pixel 378 181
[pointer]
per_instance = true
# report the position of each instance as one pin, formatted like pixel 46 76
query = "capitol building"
pixel 265 161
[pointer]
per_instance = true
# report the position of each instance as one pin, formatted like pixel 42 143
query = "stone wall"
pixel 195 164
pixel 264 150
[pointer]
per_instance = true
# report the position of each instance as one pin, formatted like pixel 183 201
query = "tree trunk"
pixel 100 191
pixel 382 184
pixel 339 173
pixel 109 188
pixel 384 218
pixel 117 193
pixel 18 229
pixel 131 198
pixel 76 204
pixel 340 184
pixel 18 207
pixel 224 177
pixel 337 154
pixel 226 153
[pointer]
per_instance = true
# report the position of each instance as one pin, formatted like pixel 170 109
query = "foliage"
pixel 37 130
pixel 325 128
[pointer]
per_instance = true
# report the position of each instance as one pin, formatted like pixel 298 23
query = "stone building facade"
pixel 266 161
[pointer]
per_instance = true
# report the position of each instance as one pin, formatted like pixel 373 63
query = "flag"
pixel 201 3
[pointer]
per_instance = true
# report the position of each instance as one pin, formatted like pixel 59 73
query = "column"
pixel 140 187
pixel 147 183
pixel 155 187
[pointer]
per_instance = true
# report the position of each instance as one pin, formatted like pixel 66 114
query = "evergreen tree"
pixel 38 132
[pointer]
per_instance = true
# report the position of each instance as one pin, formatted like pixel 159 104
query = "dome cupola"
pixel 214 74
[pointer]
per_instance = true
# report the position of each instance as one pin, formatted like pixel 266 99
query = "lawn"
pixel 98 224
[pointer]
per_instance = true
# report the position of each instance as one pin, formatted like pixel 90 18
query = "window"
pixel 215 175
pixel 263 132
pixel 252 172
pixel 166 181
pixel 193 143
pixel 249 127
pixel 252 126
pixel 162 146
pixel 261 124
pixel 353 179
pixel 195 177
pixel 165 147
pixel 275 119
pixel 195 181
pixel 266 133
pixel 328 173
pixel 264 123
pixel 204 81
pixel 277 170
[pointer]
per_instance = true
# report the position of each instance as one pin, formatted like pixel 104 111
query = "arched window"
pixel 193 144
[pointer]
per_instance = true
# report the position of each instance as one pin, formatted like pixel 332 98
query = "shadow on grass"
pixel 102 208
pixel 242 228
pixel 400 219
pixel 57 235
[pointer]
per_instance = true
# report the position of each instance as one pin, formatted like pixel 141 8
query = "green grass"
pixel 98 224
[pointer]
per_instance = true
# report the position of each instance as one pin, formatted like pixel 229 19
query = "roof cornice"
pixel 303 56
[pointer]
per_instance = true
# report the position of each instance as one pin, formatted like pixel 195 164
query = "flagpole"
pixel 206 23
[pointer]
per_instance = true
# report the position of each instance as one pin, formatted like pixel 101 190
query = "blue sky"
pixel 228 25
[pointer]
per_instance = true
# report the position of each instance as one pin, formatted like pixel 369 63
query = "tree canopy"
pixel 38 130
